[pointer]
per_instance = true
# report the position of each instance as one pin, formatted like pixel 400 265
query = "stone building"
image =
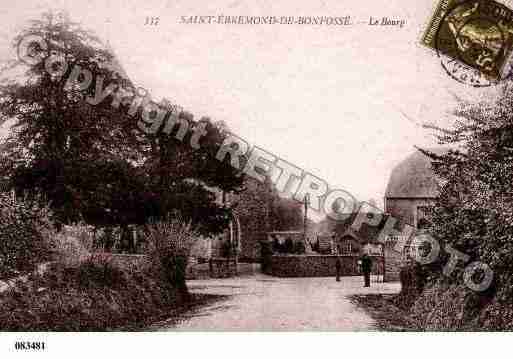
pixel 411 191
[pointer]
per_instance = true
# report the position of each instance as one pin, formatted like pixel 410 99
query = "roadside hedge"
pixel 22 246
pixel 95 296
pixel 84 291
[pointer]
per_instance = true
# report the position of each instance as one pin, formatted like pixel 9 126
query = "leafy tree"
pixel 54 129
pixel 261 209
pixel 87 160
pixel 474 213
pixel 187 178
pixel 287 214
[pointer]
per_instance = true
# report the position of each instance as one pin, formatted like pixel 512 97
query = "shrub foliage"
pixel 169 244
pixel 86 291
pixel 474 215
pixel 93 296
pixel 22 245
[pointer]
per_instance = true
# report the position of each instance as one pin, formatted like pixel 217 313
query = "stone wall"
pixel 393 263
pixel 317 265
pixel 405 210
pixel 214 268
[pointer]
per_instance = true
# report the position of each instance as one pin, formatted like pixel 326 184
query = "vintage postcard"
pixel 254 166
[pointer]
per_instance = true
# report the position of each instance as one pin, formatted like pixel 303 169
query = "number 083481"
pixel 29 346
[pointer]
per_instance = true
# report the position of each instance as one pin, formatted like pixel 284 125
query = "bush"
pixel 289 246
pixel 82 291
pixel 413 279
pixel 72 245
pixel 226 249
pixel 169 245
pixel 300 247
pixel 91 297
pixel 87 292
pixel 23 225
pixel 444 305
pixel 108 238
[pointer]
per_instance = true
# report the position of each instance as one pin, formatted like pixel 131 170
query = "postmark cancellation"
pixel 472 35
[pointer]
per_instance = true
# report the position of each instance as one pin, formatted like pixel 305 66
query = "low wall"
pixel 317 265
pixel 214 268
pixel 393 264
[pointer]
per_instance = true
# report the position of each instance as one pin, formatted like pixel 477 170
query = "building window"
pixel 423 216
pixel 348 248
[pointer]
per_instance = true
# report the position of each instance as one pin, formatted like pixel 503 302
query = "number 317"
pixel 151 20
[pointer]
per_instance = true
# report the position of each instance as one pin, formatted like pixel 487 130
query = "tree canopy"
pixel 92 162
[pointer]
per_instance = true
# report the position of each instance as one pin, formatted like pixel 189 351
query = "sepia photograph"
pixel 270 168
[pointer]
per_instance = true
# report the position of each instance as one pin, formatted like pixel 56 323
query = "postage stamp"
pixel 473 38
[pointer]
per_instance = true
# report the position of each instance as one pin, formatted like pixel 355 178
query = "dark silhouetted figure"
pixel 338 267
pixel 366 269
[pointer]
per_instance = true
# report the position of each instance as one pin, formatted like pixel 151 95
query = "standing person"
pixel 366 269
pixel 126 239
pixel 338 267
